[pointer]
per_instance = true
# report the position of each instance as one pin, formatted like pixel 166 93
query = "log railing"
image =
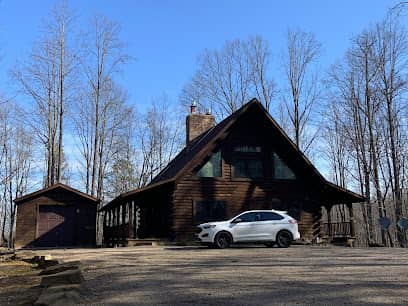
pixel 116 235
pixel 337 229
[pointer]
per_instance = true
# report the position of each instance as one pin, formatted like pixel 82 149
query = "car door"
pixel 271 223
pixel 247 229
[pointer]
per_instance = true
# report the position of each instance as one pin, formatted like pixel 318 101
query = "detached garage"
pixel 57 216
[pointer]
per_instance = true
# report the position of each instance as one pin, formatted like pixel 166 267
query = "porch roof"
pixel 333 194
pixel 128 196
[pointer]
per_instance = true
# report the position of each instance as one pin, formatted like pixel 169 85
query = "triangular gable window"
pixel 212 168
pixel 281 169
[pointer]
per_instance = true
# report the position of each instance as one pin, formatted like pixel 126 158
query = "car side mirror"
pixel 237 220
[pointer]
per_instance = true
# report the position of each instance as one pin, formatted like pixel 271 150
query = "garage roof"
pixel 55 186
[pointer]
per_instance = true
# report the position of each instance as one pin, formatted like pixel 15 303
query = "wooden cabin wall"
pixel 242 194
pixel 239 197
pixel 26 224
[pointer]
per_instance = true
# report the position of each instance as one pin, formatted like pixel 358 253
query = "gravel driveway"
pixel 300 275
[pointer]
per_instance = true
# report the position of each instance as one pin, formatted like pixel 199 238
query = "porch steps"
pixel 139 242
pixel 159 242
pixel 339 240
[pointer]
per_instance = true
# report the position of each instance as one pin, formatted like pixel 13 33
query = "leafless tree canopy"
pixel 47 78
pixel 16 157
pixel 228 78
pixel 366 107
pixel 302 52
pixel 158 139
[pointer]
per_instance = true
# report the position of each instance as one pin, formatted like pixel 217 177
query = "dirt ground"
pixel 300 275
pixel 19 283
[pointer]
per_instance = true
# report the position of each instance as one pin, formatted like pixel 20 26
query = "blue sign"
pixel 403 223
pixel 384 222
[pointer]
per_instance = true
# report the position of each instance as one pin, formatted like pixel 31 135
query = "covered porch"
pixel 141 214
pixel 337 225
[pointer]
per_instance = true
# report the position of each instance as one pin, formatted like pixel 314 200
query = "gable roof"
pixel 183 159
pixel 205 143
pixel 55 186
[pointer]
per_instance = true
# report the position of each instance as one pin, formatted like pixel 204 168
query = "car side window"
pixel 250 217
pixel 270 216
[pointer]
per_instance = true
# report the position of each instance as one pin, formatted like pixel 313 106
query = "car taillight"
pixel 292 221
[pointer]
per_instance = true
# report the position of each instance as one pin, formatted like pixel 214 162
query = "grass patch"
pixel 19 283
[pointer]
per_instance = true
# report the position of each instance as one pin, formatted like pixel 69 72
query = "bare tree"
pixel 228 78
pixel 391 50
pixel 302 52
pixel 15 165
pixel 46 78
pixel 347 125
pixel 103 57
pixel 159 139
pixel 369 96
pixel 259 55
pixel 122 174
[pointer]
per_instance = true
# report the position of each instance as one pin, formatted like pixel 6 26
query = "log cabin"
pixel 244 162
pixel 56 216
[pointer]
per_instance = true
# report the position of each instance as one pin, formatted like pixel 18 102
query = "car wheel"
pixel 269 244
pixel 223 240
pixel 284 239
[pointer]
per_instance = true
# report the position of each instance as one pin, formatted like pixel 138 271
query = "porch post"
pixel 124 205
pixel 130 218
pixel 135 220
pixel 351 214
pixel 329 208
pixel 105 221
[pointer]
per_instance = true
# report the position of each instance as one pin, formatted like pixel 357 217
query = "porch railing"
pixel 117 234
pixel 337 229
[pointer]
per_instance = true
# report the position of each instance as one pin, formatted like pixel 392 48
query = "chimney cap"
pixel 193 107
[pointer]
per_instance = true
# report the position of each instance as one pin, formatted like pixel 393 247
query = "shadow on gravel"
pixel 219 278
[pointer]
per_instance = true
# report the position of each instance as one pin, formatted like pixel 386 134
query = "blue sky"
pixel 165 37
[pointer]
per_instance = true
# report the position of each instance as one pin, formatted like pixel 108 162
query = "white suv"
pixel 265 226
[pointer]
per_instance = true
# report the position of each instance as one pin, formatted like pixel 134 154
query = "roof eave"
pixel 29 196
pixel 123 196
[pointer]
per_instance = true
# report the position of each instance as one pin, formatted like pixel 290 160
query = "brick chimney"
pixel 197 124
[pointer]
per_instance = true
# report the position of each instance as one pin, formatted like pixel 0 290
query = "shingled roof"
pixel 189 152
pixel 52 187
pixel 187 157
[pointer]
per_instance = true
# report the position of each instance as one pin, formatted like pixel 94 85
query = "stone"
pixel 43 264
pixel 72 265
pixel 62 278
pixel 25 255
pixel 60 295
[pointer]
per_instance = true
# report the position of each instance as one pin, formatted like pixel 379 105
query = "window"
pixel 212 168
pixel 248 167
pixel 250 217
pixel 270 216
pixel 208 211
pixel 248 149
pixel 281 170
pixel 247 161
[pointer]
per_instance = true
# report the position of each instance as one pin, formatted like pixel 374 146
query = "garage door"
pixel 55 226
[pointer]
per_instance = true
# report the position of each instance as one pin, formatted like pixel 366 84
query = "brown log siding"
pixel 239 196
